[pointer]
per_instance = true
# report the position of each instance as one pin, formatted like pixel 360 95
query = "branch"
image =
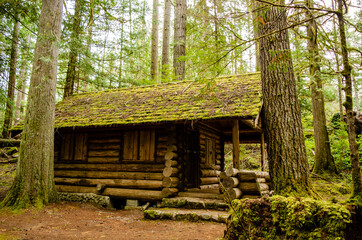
pixel 297 6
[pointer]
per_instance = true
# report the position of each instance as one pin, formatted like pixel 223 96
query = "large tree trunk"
pixel 73 55
pixel 179 49
pixel 166 38
pixel 154 45
pixel 89 45
pixel 283 127
pixel 348 104
pixel 12 78
pixel 323 157
pixel 34 180
pixel 21 85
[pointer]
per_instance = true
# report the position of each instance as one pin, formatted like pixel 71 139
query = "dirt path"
pixel 84 221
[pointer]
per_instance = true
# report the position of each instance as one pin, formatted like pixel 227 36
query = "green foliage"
pixel 287 218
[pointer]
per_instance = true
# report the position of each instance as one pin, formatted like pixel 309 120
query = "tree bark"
pixel 12 78
pixel 166 38
pixel 282 118
pixel 73 55
pixel 324 161
pixel 348 104
pixel 21 85
pixel 34 180
pixel 154 44
pixel 89 45
pixel 179 50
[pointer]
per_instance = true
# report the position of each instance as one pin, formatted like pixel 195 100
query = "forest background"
pixel 108 44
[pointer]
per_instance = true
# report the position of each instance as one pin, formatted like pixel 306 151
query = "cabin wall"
pixel 98 162
pixel 211 155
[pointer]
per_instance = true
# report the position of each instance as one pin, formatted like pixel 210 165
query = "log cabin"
pixel 156 141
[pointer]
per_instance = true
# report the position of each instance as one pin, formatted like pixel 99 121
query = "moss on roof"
pixel 224 97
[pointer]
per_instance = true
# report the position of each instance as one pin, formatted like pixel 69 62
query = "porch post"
pixel 262 150
pixel 236 147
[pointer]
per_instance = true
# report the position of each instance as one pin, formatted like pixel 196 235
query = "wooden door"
pixel 192 148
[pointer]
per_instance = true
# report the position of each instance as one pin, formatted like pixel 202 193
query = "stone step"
pixel 192 215
pixel 193 203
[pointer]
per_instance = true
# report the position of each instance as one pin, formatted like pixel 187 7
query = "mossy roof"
pixel 237 96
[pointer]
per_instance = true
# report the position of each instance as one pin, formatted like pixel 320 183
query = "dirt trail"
pixel 84 221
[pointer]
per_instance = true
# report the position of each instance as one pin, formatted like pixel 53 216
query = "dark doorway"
pixel 192 171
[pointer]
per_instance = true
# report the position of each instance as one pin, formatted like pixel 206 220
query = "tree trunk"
pixel 323 157
pixel 154 45
pixel 73 55
pixel 283 127
pixel 348 104
pixel 89 46
pixel 21 85
pixel 179 50
pixel 34 180
pixel 166 38
pixel 11 84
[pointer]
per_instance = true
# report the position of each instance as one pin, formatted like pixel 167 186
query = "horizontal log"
pixel 171 163
pixel 99 174
pixel 250 196
pixel 249 187
pixel 76 189
pixel 103 160
pixel 172 148
pixel 260 180
pixel 103 140
pixel 110 146
pixel 263 187
pixel 232 193
pixel 208 166
pixel 103 153
pixel 209 180
pixel 168 182
pixel 125 167
pixel 169 192
pixel 230 182
pixel 9 142
pixel 222 175
pixel 209 173
pixel 210 187
pixel 232 172
pixel 170 171
pixel 124 183
pixel 200 195
pixel 146 195
pixel 170 156
pixel 248 175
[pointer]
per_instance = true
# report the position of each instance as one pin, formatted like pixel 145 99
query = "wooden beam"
pixel 236 146
pixel 262 149
pixel 250 123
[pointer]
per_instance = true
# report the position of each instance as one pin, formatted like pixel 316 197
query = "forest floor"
pixel 85 221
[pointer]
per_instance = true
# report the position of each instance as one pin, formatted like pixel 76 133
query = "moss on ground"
pixel 288 218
